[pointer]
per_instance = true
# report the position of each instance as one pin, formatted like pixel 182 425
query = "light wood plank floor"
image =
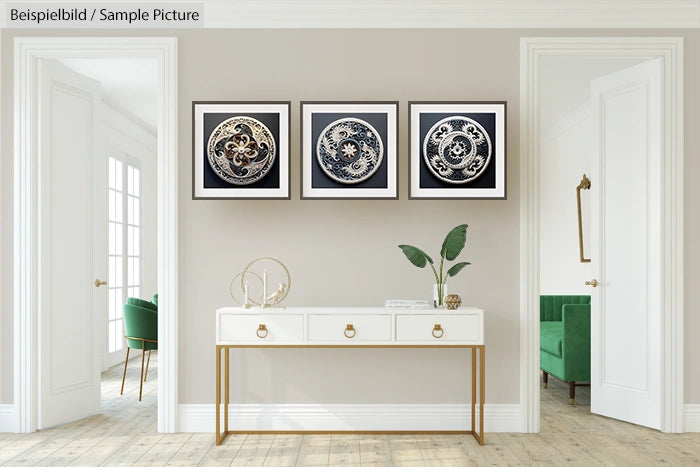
pixel 125 433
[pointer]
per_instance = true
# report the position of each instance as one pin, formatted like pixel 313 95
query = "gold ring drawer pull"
pixel 349 329
pixel 262 329
pixel 438 329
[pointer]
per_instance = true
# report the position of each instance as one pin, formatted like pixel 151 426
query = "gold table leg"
pixel 473 352
pixel 218 395
pixel 226 390
pixel 482 394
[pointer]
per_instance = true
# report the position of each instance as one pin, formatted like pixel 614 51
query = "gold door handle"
pixel 592 283
pixel 99 282
pixel 439 329
pixel 349 328
pixel 584 185
pixel 261 329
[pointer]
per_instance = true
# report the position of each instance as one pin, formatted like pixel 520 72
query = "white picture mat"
pixel 390 191
pixel 416 191
pixel 241 192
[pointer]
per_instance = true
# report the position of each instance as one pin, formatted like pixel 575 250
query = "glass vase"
pixel 439 294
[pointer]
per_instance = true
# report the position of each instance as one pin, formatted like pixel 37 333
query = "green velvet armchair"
pixel 565 339
pixel 141 326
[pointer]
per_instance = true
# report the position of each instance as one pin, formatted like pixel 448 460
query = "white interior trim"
pixel 692 418
pixel 670 51
pixel 200 418
pixel 8 420
pixel 26 309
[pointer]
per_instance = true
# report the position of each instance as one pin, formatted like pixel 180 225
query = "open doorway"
pixel 63 221
pixel 632 103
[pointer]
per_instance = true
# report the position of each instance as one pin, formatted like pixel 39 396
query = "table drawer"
pixel 350 328
pixel 261 328
pixel 439 327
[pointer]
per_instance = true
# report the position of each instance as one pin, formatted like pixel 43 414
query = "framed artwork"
pixel 349 150
pixel 457 150
pixel 240 150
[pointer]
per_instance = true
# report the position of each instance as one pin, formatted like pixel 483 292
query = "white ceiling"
pixel 128 84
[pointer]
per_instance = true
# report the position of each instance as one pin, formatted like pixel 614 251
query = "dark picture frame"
pixel 375 126
pixel 440 133
pixel 274 117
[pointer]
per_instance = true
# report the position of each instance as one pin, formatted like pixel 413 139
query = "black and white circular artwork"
pixel 349 150
pixel 241 150
pixel 457 149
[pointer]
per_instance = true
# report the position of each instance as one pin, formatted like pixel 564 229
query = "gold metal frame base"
pixel 478 436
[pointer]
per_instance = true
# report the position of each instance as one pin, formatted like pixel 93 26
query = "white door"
pixel 73 237
pixel 625 245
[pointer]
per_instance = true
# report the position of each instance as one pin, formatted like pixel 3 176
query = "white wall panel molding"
pixel 351 417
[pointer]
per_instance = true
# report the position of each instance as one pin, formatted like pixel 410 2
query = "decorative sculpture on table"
pixel 453 301
pixel 252 283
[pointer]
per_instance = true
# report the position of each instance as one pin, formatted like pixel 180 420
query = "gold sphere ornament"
pixel 453 301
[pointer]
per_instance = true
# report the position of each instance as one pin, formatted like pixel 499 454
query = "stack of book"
pixel 407 304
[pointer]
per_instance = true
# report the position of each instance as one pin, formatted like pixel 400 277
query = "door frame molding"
pixel 670 51
pixel 27 264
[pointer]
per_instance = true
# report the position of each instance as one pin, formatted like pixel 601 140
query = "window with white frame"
pixel 124 244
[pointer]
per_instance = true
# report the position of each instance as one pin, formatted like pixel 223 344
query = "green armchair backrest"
pixel 142 303
pixel 141 322
pixel 551 305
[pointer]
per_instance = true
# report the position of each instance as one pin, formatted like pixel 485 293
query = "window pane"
pixel 112 177
pixel 118 184
pixel 137 271
pixel 130 240
pixel 137 241
pixel 130 179
pixel 117 303
pixel 131 271
pixel 130 210
pixel 112 248
pixel 112 204
pixel 137 211
pixel 112 280
pixel 118 274
pixel 112 304
pixel 118 208
pixel 137 182
pixel 119 242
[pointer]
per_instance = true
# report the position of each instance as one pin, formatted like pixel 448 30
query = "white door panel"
pixel 69 337
pixel 625 246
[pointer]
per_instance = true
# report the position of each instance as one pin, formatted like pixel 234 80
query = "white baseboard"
pixel 348 417
pixel 691 415
pixel 8 420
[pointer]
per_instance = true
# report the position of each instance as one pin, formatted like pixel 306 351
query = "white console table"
pixel 359 327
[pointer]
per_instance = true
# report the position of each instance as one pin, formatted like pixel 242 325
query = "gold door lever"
pixel 99 282
pixel 592 283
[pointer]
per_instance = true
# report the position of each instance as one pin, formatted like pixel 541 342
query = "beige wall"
pixel 344 252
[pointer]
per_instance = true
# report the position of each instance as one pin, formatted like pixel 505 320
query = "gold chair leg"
pixel 143 354
pixel 124 376
pixel 148 361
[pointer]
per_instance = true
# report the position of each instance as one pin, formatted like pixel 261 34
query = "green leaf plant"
pixel 452 246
